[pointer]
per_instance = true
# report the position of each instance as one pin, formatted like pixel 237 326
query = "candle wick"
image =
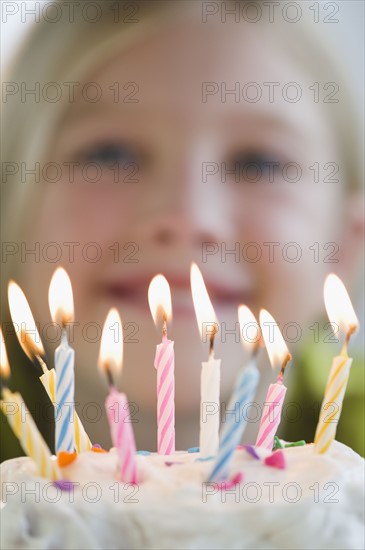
pixel 3 385
pixel 288 358
pixel 164 327
pixel 349 333
pixel 211 344
pixel 109 376
pixel 255 350
pixel 64 339
pixel 31 350
pixel 41 363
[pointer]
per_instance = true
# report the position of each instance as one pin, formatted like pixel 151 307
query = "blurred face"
pixel 190 172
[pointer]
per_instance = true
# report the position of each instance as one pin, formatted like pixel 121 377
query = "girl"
pixel 163 133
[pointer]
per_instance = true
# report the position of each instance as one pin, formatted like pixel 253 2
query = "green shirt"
pixel 306 386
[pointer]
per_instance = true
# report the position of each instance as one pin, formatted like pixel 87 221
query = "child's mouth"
pixel 133 292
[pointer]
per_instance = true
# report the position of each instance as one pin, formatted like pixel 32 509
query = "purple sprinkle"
pixel 172 463
pixel 251 451
pixel 64 484
pixel 97 445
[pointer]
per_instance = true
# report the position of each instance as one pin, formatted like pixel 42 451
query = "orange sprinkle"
pixel 65 458
pixel 98 450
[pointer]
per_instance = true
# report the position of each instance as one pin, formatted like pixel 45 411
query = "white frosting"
pixel 170 509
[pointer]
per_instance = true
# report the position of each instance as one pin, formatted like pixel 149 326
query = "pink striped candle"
pixel 116 404
pixel 278 354
pixel 159 298
pixel 117 409
pixel 271 416
pixel 164 364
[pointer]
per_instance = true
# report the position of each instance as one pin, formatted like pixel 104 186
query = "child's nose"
pixel 189 212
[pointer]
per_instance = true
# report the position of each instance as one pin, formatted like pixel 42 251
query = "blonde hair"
pixel 61 53
pixel 67 52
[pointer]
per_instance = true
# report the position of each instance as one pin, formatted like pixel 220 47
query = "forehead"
pixel 195 73
pixel 171 64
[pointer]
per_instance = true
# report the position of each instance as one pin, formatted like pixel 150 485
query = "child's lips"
pixel 133 292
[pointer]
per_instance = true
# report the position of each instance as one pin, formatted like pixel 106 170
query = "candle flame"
pixel 60 298
pixel 338 304
pixel 4 363
pixel 111 345
pixel 249 328
pixel 205 315
pixel 159 299
pixel 275 344
pixel 23 320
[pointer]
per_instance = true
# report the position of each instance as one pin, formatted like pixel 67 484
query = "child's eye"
pixel 253 165
pixel 109 154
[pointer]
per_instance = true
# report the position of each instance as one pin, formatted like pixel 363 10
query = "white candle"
pixel 210 374
pixel 209 407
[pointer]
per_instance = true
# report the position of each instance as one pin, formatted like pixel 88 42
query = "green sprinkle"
pixel 277 444
pixel 296 443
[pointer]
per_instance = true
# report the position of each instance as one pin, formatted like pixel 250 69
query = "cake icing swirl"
pixel 316 501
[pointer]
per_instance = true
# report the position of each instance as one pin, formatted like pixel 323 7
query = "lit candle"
pixel 30 341
pixel 210 374
pixel 279 355
pixel 243 393
pixel 62 312
pixel 25 327
pixel 116 404
pixel 340 313
pixel 159 298
pixel 23 425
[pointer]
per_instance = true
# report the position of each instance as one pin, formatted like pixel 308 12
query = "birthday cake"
pixel 289 498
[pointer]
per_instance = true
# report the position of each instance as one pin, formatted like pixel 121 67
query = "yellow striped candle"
pixel 342 315
pixel 23 425
pixel 26 431
pixel 332 403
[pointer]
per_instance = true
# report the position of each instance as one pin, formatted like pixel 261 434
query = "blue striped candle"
pixel 243 393
pixel 65 390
